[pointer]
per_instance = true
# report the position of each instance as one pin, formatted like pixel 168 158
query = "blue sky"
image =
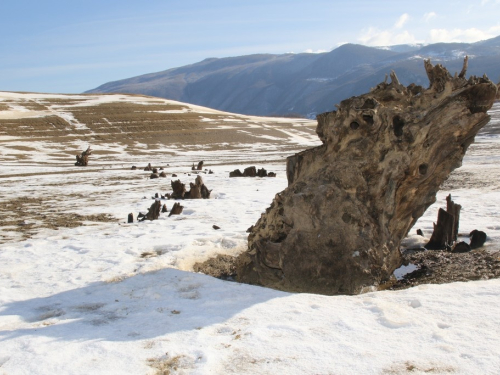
pixel 74 45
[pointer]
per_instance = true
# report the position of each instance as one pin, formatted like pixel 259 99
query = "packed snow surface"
pixel 118 298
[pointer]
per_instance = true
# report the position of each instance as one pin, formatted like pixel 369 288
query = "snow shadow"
pixel 134 308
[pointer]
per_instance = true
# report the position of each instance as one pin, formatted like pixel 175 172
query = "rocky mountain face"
pixel 337 227
pixel 303 84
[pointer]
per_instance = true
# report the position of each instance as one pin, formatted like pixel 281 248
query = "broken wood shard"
pixel 337 227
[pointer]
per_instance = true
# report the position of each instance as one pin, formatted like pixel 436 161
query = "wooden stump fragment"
pixel 262 172
pixel 130 218
pixel 250 172
pixel 82 160
pixel 153 212
pixel 446 229
pixel 236 173
pixel 194 192
pixel 477 238
pixel 461 247
pixel 179 189
pixel 176 209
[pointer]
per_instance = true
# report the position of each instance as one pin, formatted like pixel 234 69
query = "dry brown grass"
pixel 166 365
pixel 128 123
pixel 26 216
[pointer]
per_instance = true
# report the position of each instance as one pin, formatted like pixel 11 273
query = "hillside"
pixel 84 292
pixel 304 84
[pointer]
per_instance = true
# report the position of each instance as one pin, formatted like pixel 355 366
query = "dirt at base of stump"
pixel 440 267
pixel 434 267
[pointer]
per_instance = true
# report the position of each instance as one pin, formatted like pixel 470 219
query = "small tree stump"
pixel 130 218
pixel 477 238
pixel 461 247
pixel 148 167
pixel 236 173
pixel 446 229
pixel 200 165
pixel 82 160
pixel 195 192
pixel 153 212
pixel 179 189
pixel 250 172
pixel 164 208
pixel 176 209
pixel 205 193
pixel 262 172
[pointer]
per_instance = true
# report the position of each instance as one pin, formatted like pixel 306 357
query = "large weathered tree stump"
pixel 82 160
pixel 338 226
pixel 446 228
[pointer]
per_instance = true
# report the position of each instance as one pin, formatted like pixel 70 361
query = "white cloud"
pixel 462 35
pixel 376 37
pixel 310 50
pixel 401 21
pixel 429 16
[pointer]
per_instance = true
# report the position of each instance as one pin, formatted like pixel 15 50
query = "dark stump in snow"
pixel 176 209
pixel 179 189
pixel 153 212
pixel 461 247
pixel 236 173
pixel 250 172
pixel 477 238
pixel 82 160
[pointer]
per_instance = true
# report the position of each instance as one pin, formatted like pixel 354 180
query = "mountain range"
pixel 304 84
